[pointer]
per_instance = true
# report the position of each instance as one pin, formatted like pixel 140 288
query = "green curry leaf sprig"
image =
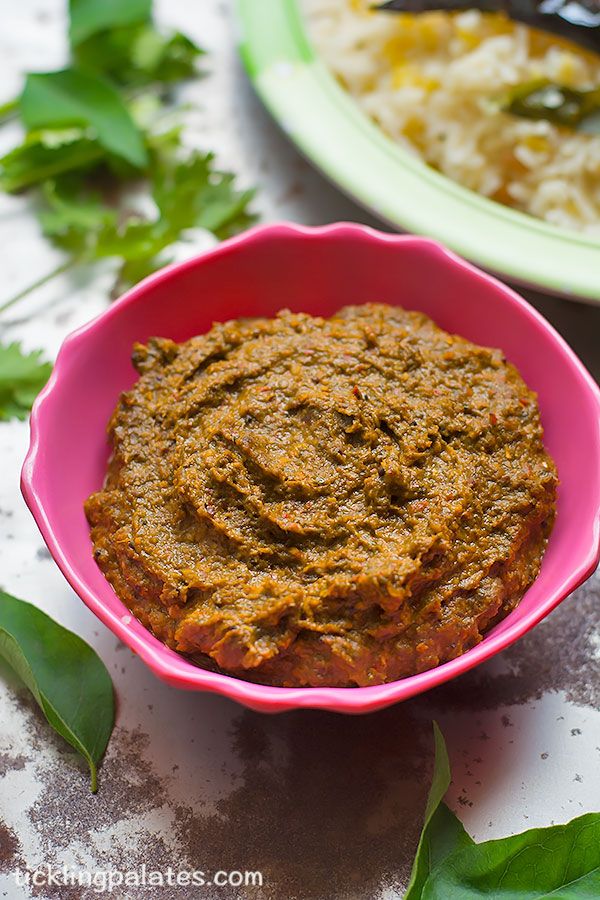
pixel 93 137
pixel 577 109
pixel 559 861
pixel 69 682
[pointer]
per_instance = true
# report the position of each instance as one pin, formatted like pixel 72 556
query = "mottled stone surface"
pixel 325 806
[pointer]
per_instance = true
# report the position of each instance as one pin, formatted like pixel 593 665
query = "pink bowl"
pixel 316 270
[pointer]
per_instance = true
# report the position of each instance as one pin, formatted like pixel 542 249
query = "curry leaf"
pixel 67 679
pixel 442 832
pixel 73 98
pixel 22 376
pixel 86 17
pixel 591 123
pixel 555 103
pixel 561 862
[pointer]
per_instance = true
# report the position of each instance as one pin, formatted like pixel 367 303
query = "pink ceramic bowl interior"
pixel 316 270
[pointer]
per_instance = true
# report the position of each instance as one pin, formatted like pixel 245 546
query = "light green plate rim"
pixel 332 131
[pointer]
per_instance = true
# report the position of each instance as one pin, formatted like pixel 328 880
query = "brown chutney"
pixel 312 501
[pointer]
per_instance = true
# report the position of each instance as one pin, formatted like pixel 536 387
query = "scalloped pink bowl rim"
pixel 331 266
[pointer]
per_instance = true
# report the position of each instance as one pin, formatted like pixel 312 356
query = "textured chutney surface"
pixel 312 501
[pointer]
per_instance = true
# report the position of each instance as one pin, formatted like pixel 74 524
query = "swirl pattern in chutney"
pixel 308 501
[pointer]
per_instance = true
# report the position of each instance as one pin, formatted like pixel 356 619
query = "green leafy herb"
pixel 75 217
pixel 560 105
pixel 86 17
pixel 75 98
pixel 47 154
pixel 138 55
pixel 442 832
pixel 22 376
pixel 96 135
pixel 120 41
pixel 187 194
pixel 562 861
pixel 8 110
pixel 193 193
pixel 68 680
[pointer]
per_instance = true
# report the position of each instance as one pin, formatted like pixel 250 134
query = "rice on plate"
pixel 436 82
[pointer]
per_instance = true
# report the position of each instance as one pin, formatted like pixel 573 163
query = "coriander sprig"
pixel 89 141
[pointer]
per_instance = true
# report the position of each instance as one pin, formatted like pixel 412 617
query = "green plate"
pixel 332 131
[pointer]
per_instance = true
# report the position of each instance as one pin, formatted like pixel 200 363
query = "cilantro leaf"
pixel 139 54
pixel 135 270
pixel 8 109
pixel 86 17
pixel 74 218
pixel 120 41
pixel 73 98
pixel 165 58
pixel 191 193
pixel 86 145
pixel 46 154
pixel 22 376
pixel 188 193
